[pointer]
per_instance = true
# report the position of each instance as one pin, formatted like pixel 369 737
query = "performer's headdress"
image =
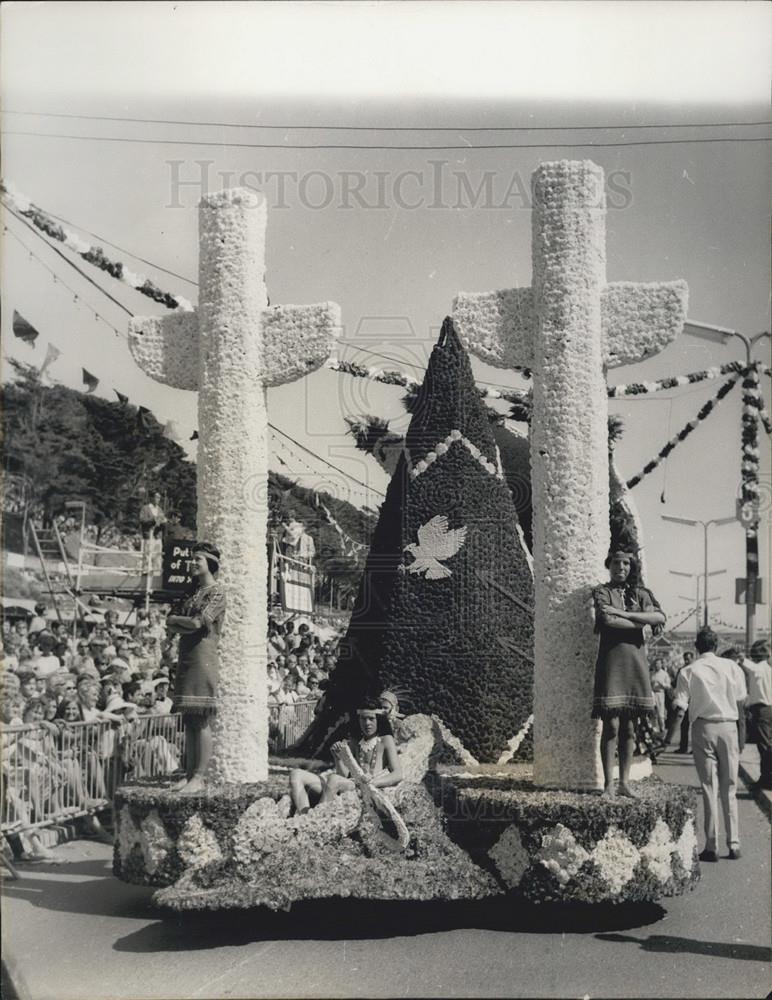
pixel 212 554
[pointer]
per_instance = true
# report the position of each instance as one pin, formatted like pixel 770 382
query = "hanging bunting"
pixel 91 254
pixel 123 400
pixel 23 330
pixel 684 433
pixel 89 380
pixel 52 354
pixel 194 436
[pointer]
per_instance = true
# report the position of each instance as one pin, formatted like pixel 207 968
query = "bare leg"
pixel 300 783
pixel 191 750
pixel 626 750
pixel 202 733
pixel 334 785
pixel 608 749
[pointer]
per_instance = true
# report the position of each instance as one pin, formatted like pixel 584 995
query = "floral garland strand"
pixel 684 433
pixel 749 468
pixel 674 381
pixel 408 382
pixel 91 254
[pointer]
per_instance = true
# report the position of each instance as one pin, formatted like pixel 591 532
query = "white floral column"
pixel 569 462
pixel 568 328
pixel 230 349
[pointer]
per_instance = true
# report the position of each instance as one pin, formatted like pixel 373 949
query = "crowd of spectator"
pixel 54 677
pixel 52 681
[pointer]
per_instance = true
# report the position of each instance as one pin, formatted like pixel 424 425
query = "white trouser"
pixel 717 758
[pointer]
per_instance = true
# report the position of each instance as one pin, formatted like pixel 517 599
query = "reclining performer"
pixel 372 745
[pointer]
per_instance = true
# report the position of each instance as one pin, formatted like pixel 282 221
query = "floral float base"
pixel 550 845
pixel 475 832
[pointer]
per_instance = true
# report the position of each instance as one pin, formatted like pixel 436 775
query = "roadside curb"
pixel 762 796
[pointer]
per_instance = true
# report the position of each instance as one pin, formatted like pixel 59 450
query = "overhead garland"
pixel 674 381
pixel 91 254
pixel 393 377
pixel 705 411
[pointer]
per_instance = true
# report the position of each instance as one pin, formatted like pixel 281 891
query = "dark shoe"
pixel 734 854
pixel 708 856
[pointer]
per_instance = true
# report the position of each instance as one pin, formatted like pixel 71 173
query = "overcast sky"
pixel 393 234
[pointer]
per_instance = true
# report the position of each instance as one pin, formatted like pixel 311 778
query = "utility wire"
pixel 115 246
pixel 64 284
pixel 386 128
pixel 99 288
pixel 67 260
pixel 324 460
pixel 468 147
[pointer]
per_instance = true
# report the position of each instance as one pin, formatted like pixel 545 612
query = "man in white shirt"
pixel 758 676
pixel 713 690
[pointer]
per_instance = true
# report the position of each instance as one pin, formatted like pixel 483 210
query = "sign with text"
pixel 741 590
pixel 178 565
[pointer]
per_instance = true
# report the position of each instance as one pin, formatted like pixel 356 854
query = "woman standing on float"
pixel 623 691
pixel 195 687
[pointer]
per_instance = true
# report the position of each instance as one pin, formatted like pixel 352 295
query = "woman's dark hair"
pixel 212 555
pixel 373 705
pixel 130 688
pixel 63 704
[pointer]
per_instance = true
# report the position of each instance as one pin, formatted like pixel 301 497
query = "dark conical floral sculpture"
pixel 444 610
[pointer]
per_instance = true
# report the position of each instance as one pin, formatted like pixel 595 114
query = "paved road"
pixel 73 931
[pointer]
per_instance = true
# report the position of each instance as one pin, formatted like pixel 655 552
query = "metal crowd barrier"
pixel 287 724
pixel 53 776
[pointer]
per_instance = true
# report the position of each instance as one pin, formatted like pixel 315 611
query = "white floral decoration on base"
pixel 510 857
pixel 197 845
pixel 561 853
pixel 156 842
pixel 686 845
pixel 659 850
pixel 129 834
pixel 616 857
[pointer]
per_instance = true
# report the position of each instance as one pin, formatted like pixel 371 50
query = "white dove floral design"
pixel 435 545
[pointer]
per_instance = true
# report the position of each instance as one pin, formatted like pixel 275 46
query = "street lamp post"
pixel 705 525
pixel 749 489
pixel 697 577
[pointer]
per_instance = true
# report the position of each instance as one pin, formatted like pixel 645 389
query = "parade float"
pixel 485 647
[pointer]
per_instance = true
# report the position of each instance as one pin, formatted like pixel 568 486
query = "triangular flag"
pixel 143 424
pixel 445 604
pixel 123 400
pixel 52 353
pixel 23 330
pixel 90 381
pixel 194 436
